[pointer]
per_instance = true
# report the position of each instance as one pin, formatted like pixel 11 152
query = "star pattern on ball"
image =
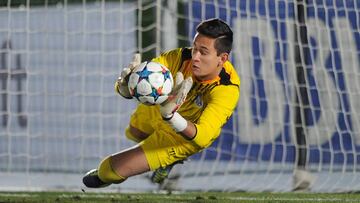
pixel 151 85
pixel 144 74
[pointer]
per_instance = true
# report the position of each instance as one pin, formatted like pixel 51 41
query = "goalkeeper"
pixel 192 117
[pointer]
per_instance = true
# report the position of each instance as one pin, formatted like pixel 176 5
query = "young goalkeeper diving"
pixel 189 121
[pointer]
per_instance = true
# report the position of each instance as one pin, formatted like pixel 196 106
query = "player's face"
pixel 206 63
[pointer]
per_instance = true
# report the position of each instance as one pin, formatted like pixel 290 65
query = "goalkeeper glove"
pixel 175 100
pixel 121 84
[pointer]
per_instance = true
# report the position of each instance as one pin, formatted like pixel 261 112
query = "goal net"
pixel 295 127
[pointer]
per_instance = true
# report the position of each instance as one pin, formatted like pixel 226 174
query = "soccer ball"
pixel 150 83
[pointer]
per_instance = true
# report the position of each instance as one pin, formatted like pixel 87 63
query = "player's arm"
pixel 222 104
pixel 189 132
pixel 219 109
pixel 168 109
pixel 186 128
pixel 121 84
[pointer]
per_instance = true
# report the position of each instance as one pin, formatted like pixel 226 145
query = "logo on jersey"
pixel 172 152
pixel 198 100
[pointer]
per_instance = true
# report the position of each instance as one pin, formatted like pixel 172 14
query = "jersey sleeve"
pixel 223 100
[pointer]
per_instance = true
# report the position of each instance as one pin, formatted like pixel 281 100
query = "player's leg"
pixel 135 134
pixel 117 168
pixel 130 162
pixel 140 127
pixel 160 174
pixel 164 149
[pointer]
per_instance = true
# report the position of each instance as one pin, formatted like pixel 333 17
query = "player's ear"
pixel 223 57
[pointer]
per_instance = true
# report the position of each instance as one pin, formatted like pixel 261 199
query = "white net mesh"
pixel 298 62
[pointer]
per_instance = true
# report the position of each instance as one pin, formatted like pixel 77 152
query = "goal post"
pixel 298 61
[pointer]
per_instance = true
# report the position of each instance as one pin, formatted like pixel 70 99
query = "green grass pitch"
pixel 69 197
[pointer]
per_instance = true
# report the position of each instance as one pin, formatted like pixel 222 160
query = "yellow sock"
pixel 107 174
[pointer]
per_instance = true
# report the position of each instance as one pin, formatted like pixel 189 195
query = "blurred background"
pixel 296 125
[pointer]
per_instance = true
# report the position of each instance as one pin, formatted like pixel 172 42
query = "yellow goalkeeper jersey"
pixel 209 104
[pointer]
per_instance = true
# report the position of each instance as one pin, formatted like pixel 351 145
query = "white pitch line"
pixel 240 198
pixel 17 195
pixel 101 196
pixel 294 199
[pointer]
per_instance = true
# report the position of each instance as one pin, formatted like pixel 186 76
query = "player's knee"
pixel 107 174
pixel 135 134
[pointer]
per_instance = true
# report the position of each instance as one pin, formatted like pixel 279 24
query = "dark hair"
pixel 219 30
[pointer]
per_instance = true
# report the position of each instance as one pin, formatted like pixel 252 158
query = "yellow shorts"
pixel 163 146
